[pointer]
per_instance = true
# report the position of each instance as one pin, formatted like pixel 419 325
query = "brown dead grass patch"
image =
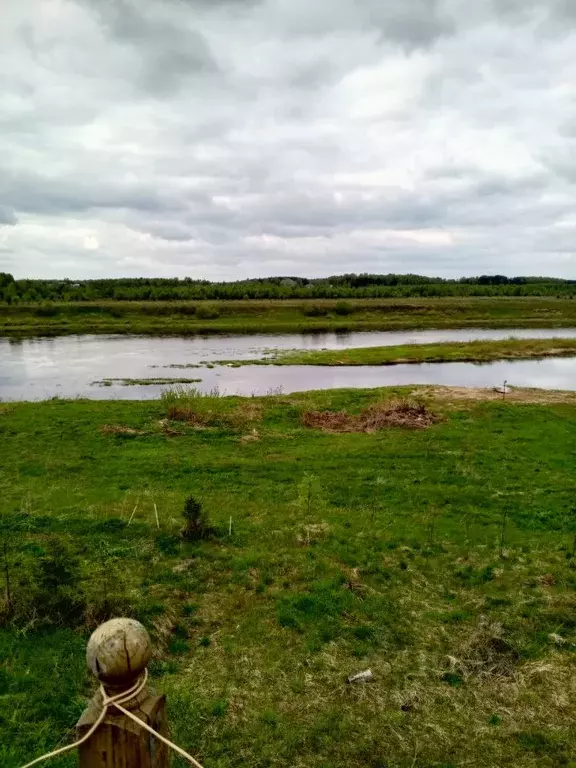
pixel 487 652
pixel 408 414
pixel 186 412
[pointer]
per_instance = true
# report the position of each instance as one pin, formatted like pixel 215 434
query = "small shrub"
pixel 310 499
pixel 196 524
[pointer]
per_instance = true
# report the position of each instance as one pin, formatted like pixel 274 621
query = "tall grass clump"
pixel 182 402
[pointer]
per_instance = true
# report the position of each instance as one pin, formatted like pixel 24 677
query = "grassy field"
pixel 468 351
pixel 441 558
pixel 284 316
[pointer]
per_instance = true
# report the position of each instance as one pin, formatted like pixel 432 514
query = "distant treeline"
pixel 362 286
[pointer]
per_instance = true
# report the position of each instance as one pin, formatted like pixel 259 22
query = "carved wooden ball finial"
pixel 119 651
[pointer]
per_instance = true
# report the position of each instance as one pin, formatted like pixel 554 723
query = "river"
pixel 69 366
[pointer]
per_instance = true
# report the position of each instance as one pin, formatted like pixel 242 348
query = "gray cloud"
pixel 36 193
pixel 252 137
pixel 414 23
pixel 166 46
pixel 411 23
pixel 7 217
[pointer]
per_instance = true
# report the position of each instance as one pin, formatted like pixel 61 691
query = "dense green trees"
pixel 336 287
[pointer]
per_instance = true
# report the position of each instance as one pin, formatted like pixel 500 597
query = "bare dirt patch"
pixel 542 396
pixel 408 414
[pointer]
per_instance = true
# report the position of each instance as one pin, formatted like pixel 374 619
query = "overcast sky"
pixel 225 139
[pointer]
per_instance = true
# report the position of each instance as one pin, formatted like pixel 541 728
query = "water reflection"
pixel 66 366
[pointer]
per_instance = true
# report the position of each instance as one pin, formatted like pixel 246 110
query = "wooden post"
pixel 118 653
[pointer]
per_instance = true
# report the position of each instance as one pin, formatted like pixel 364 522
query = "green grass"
pixel 468 351
pixel 283 316
pixel 145 382
pixel 348 552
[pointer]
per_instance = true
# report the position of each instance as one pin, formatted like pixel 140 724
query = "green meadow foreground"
pixel 467 351
pixel 436 549
pixel 285 316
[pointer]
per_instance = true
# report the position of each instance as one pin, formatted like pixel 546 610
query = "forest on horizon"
pixel 360 286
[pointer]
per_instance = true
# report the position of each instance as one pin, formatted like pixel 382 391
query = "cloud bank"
pixel 225 139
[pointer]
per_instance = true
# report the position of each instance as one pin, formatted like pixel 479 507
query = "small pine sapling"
pixel 196 523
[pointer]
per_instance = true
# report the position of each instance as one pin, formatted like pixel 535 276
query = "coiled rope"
pixel 117 701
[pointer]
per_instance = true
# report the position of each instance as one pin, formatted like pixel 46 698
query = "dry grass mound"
pixel 487 652
pixel 408 414
pixel 243 416
pixel 186 412
pixel 120 429
pixel 192 413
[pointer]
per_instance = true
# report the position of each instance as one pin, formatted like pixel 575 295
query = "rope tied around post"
pixel 118 700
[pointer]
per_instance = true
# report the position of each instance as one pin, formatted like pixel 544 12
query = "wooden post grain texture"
pixel 118 653
pixel 119 742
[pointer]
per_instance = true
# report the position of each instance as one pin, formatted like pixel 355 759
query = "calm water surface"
pixel 32 369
